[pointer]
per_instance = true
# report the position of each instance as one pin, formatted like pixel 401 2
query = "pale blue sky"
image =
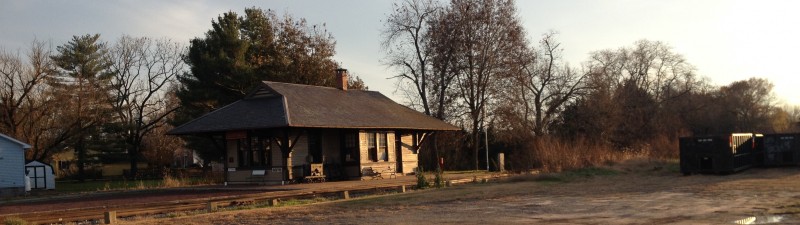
pixel 725 40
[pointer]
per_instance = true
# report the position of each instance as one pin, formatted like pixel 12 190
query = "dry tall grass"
pixel 555 155
pixel 170 181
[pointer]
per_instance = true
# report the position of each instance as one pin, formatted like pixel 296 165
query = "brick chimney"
pixel 341 79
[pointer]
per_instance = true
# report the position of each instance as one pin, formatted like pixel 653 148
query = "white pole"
pixel 485 137
pixel 486 142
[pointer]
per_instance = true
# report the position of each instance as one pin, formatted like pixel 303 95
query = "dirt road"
pixel 643 195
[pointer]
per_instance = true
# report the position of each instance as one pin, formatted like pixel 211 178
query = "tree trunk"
pixel 81 159
pixel 132 152
pixel 436 152
pixel 476 145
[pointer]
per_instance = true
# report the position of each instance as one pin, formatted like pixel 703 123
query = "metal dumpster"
pixel 717 154
pixel 781 149
pixel 758 150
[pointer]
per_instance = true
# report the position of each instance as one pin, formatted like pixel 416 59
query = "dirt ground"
pixel 639 193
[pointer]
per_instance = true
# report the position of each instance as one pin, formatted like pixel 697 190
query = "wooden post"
pixel 346 195
pixel 501 162
pixel 110 217
pixel 211 206
pixel 274 202
pixel 403 189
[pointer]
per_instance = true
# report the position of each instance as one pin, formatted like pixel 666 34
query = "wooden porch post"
pixel 398 145
pixel 224 149
pixel 286 149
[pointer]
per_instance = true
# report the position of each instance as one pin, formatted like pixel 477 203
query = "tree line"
pixel 466 62
pixel 100 100
pixel 112 102
pixel 470 62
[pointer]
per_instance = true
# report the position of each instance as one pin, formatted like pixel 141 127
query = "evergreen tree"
pixel 239 52
pixel 84 79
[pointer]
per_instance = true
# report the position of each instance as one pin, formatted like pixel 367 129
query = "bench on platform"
pixel 257 176
pixel 317 174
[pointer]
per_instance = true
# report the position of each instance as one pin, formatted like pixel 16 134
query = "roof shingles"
pixel 313 106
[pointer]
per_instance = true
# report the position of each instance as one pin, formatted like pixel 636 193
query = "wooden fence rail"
pixel 102 213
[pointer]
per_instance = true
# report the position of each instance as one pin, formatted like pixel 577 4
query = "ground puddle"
pixel 761 219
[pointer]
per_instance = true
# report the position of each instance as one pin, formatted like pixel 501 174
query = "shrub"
pixel 422 182
pixel 439 181
pixel 550 154
pixel 170 181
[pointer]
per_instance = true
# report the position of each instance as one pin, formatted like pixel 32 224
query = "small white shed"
pixel 41 175
pixel 12 166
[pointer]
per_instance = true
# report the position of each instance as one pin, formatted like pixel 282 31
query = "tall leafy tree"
pixel 240 51
pixel 85 75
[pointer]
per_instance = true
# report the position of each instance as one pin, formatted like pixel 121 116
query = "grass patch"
pixel 514 185
pixel 291 202
pixel 549 178
pixel 14 221
pixel 673 166
pixel 566 176
pixel 109 185
pixel 542 178
pixel 101 185
pixel 476 172
pixel 589 172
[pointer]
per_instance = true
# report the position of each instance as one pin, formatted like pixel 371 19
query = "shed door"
pixel 37 175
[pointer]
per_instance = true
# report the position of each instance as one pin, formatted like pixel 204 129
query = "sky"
pixel 725 40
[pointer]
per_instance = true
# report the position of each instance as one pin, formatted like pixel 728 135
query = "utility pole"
pixel 485 137
pixel 486 142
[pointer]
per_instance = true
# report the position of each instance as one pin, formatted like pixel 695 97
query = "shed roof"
pixel 23 145
pixel 276 105
pixel 37 163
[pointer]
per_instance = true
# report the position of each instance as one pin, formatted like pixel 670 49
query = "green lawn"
pixel 105 185
pixel 101 185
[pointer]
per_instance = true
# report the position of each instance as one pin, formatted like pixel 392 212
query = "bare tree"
pixel 418 40
pixel 650 65
pixel 26 105
pixel 486 35
pixel 143 71
pixel 19 82
pixel 544 85
pixel 750 102
pixel 444 42
pixel 157 146
pixel 639 88
pixel 784 119
pixel 406 35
